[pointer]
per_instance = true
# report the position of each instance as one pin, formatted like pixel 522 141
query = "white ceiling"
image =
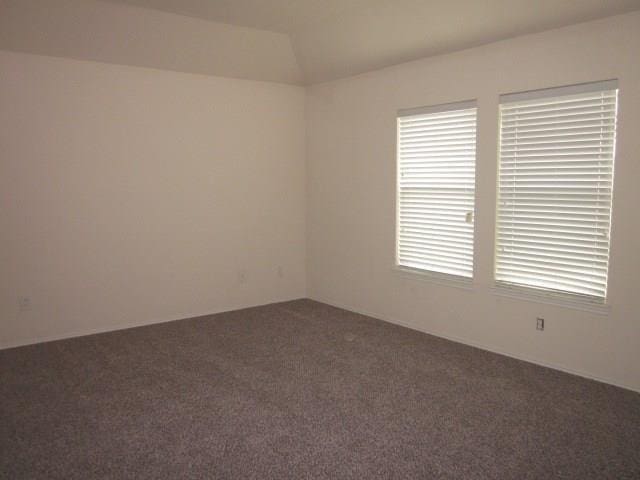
pixel 284 16
pixel 121 34
pixel 394 31
pixel 291 41
pixel 336 38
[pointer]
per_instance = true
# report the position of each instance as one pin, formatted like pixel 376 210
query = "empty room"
pixel 319 239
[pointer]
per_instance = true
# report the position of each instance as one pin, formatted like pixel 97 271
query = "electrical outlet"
pixel 539 323
pixel 24 304
pixel 280 272
pixel 242 276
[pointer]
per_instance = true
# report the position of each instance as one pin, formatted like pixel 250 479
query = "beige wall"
pixel 351 198
pixel 132 195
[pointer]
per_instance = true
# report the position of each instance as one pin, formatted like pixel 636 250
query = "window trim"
pixel 551 297
pixel 436 278
pixel 440 278
pixel 588 303
pixel 559 91
pixel 440 108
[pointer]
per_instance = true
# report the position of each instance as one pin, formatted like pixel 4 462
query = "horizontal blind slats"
pixel 554 194
pixel 551 131
pixel 436 188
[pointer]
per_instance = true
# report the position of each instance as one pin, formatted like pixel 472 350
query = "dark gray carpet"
pixel 302 390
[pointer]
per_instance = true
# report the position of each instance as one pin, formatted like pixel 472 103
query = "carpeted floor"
pixel 302 390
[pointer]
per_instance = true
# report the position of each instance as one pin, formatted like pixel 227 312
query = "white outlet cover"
pixel 24 304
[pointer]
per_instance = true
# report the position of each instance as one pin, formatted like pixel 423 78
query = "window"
pixel 436 186
pixel 557 149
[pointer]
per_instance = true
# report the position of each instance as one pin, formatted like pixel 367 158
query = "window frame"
pixel 590 303
pixel 440 278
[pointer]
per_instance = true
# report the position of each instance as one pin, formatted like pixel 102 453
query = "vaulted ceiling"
pixel 284 16
pixel 291 41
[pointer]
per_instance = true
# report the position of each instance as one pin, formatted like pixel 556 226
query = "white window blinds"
pixel 555 187
pixel 436 186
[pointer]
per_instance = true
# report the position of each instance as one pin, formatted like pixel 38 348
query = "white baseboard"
pixel 472 343
pixel 125 326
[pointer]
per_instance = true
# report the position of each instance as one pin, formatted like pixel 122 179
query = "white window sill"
pixel 551 298
pixel 434 277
